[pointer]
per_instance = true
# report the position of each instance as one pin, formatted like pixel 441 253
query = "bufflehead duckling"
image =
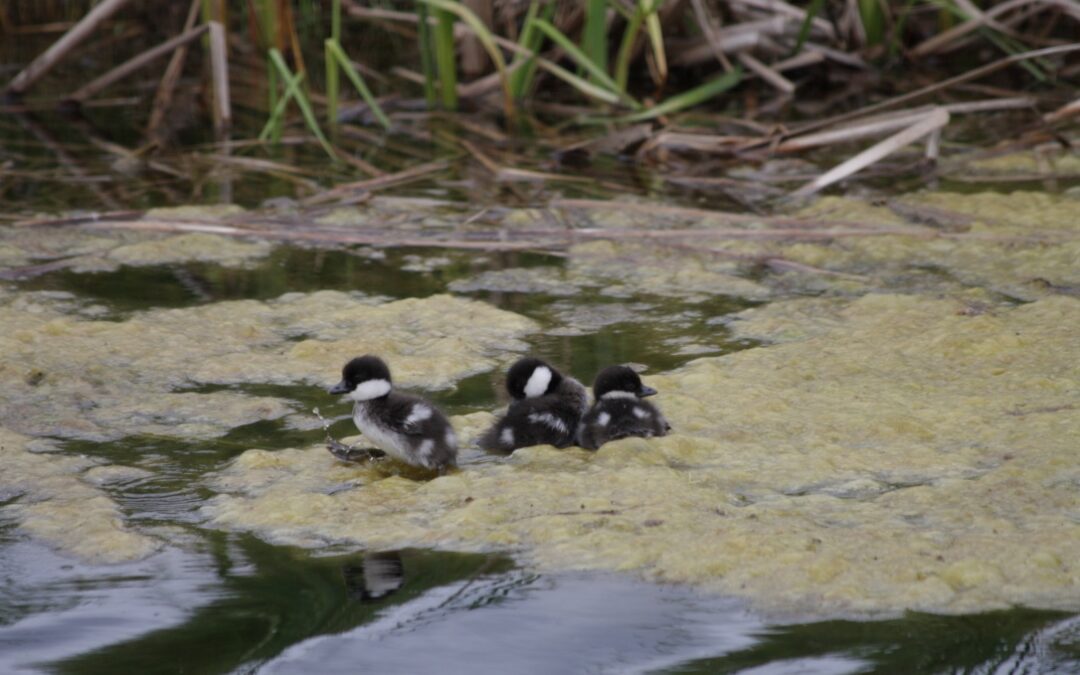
pixel 546 408
pixel 619 411
pixel 408 428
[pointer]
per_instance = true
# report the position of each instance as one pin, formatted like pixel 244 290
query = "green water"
pixel 214 602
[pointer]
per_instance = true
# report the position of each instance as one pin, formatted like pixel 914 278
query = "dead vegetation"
pixel 689 89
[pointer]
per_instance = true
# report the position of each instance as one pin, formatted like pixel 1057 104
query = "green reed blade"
pixel 873 21
pixel 522 78
pixel 277 113
pixel 626 48
pixel 487 40
pixel 690 98
pixel 427 59
pixel 804 30
pixel 594 35
pixel 444 58
pixel 581 84
pixel 293 90
pixel 335 50
pixel 574 52
pixel 656 37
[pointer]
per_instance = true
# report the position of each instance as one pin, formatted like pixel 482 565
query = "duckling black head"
pixel 364 378
pixel 620 381
pixel 531 377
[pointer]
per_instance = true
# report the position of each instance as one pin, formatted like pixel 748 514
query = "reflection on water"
pixel 374 576
pixel 221 603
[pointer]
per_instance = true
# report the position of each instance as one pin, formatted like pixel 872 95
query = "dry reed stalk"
pixel 737 42
pixel 891 121
pixel 930 122
pixel 59 49
pixel 384 181
pixel 933 88
pixel 705 20
pixel 766 73
pixel 784 9
pixel 1063 113
pixel 167 87
pixel 133 64
pixel 939 41
pixel 219 69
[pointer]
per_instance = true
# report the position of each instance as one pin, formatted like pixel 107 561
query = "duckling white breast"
pixel 381 436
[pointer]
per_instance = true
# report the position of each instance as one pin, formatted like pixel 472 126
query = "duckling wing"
pixel 633 418
pixel 425 430
pixel 536 421
pixel 411 415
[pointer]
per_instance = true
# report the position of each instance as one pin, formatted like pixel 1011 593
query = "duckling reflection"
pixel 375 576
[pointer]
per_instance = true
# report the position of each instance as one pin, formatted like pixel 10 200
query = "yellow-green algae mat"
pixel 901 453
pixel 65 374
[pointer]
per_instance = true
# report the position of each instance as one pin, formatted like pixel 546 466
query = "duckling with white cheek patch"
pixel 546 408
pixel 407 428
pixel 619 411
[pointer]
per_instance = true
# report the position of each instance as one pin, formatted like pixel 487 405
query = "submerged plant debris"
pixel 911 455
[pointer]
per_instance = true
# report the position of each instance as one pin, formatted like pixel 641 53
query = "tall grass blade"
pixel 555 35
pixel 594 35
pixel 873 21
pixel 581 84
pixel 487 39
pixel 804 30
pixel 335 50
pixel 691 98
pixel 522 78
pixel 444 58
pixel 293 90
pixel 277 114
pixel 626 48
pixel 427 59
pixel 656 37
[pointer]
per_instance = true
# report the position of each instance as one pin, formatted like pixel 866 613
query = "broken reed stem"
pixel 932 121
pixel 59 49
pixel 219 69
